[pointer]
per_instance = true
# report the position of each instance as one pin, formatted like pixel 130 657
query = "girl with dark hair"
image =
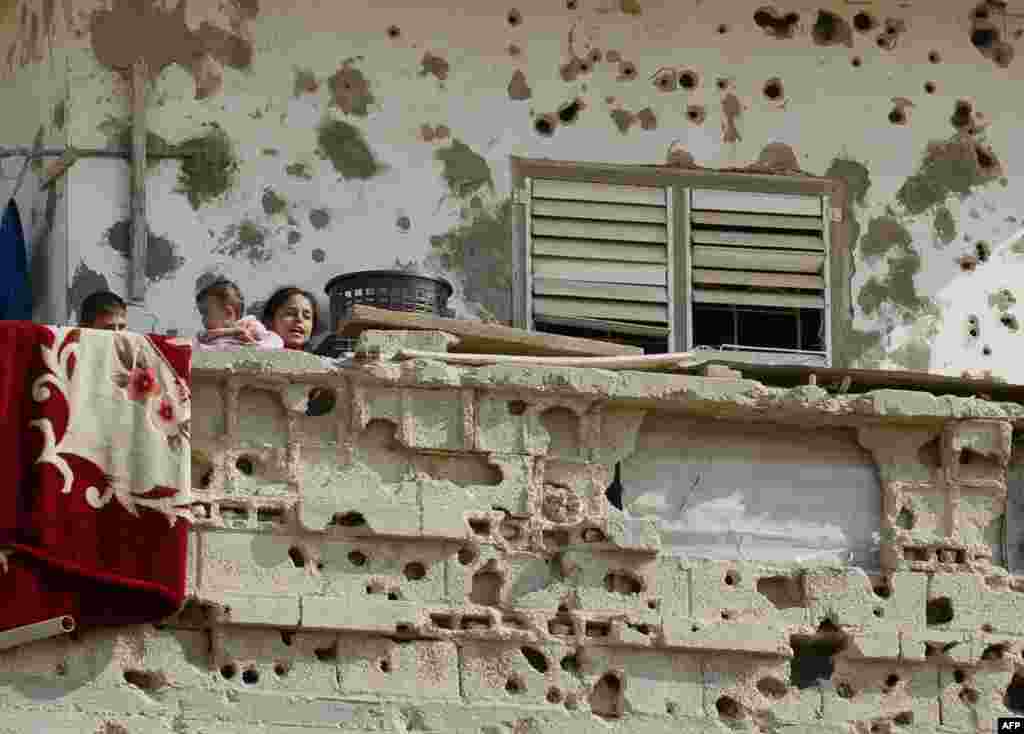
pixel 293 314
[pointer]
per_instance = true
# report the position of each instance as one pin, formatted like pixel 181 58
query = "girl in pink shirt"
pixel 221 306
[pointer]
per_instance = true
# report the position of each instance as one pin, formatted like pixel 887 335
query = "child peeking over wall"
pixel 221 306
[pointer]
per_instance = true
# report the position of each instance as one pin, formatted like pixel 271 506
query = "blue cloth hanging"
pixel 15 288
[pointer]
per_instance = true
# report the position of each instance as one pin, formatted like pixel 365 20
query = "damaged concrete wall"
pixel 413 547
pixel 337 139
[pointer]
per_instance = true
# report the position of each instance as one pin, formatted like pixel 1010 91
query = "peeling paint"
pixel 350 91
pixel 630 7
pixel 950 167
pixel 294 237
pixel 478 250
pixel 915 354
pixel 1002 300
pixel 85 282
pixel 142 29
pixel 856 177
pixel 320 218
pixel 679 157
pixel 696 114
pixel 988 19
pixel 299 170
pixel 209 167
pixel 884 234
pixel 887 236
pixel 59 115
pixel 943 225
pixel 305 83
pixel 344 146
pixel 731 111
pixel 434 65
pixel 777 158
pixel 518 89
pixel 465 170
pixel 272 203
pixel 247 240
pixel 318 255
pixel 161 257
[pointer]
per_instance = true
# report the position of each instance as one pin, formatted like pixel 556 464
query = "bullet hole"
pixel 772 688
pixel 514 50
pixel 244 465
pixel 864 22
pixel 571 4
pixel 545 126
pixel 904 718
pixel 467 555
pixel 986 160
pixel 486 587
pixel 728 708
pixel 384 665
pixel 666 80
pixel 327 654
pixel 553 695
pixel 627 71
pixel 898 116
pixel 696 114
pixel 1014 698
pixel 570 112
pixel 584 67
pixel 726 615
pixel 856 61
pixel 722 29
pixel 773 89
pixel 689 80
pixel 732 578
pixel 812 655
pixel 145 680
pixel 986 351
pixel 514 17
pixel 968 696
pixel 621 582
pixel 415 571
pixel 593 535
pixel 516 407
pixel 830 29
pixel 348 520
pixel 905 519
pixel 934 57
pixel 480 526
pixel 597 629
pixel 929 87
pixel 229 671
pixel 280 670
pixel 570 664
pixel 595 56
pixel 535 658
pixel 962 114
pixel 606 698
pixel 514 685
pixel 722 84
pixel 939 611
pixel 287 636
pixel 983 250
pixel 297 556
pixel 776 24
pixel 394 31
pixel 994 652
pixel 403 223
pixel 844 690
pixel 251 676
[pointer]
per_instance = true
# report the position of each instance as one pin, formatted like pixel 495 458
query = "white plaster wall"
pixel 831 110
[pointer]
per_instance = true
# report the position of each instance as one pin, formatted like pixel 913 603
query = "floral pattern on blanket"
pixel 131 424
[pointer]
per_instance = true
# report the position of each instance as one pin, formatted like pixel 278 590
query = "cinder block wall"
pixel 431 549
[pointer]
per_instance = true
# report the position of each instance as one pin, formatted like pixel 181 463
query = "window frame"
pixel 676 182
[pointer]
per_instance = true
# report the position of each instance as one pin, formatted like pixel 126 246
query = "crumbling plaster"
pixel 393 125
pixel 441 536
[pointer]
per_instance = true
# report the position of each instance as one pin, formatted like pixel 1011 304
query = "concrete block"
pixel 425 670
pixel 469 484
pixel 209 424
pixel 267 563
pixel 258 472
pixel 436 419
pixel 375 613
pixel 870 691
pixel 654 683
pixel 262 421
pixel 279 610
pixel 506 424
pixel 737 689
pixel 847 596
pixel 732 588
pixel 382 344
pixel 965 602
pixel 324 415
pixel 413 571
pixel 269 661
pixel 611 582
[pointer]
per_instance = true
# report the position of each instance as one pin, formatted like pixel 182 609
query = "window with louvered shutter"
pixel 758 265
pixel 600 258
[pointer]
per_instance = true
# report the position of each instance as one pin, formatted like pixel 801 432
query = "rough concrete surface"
pixel 441 549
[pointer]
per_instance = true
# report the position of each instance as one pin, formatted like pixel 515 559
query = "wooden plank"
pixel 598 211
pixel 614 231
pixel 600 291
pixel 590 250
pixel 599 271
pixel 587 308
pixel 757 203
pixel 589 191
pixel 758 279
pixel 732 258
pixel 476 336
pixel 758 298
pixel 615 327
pixel 139 225
pixel 758 239
pixel 766 221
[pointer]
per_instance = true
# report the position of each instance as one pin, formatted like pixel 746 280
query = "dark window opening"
pixel 758 327
pixel 649 343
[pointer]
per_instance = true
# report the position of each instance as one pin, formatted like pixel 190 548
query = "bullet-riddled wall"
pixel 337 138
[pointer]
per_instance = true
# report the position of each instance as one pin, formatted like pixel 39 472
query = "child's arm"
pixel 240 332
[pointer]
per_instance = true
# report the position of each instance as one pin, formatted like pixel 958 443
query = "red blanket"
pixel 94 445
